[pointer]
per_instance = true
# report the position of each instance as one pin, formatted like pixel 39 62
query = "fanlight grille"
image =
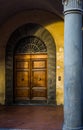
pixel 31 44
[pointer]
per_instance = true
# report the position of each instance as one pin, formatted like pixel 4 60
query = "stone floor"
pixel 31 117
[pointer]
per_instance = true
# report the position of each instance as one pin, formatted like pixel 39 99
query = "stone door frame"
pixel 31 29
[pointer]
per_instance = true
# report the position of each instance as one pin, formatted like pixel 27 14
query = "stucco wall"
pixel 49 21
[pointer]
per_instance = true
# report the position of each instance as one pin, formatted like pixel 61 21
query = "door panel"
pixel 39 94
pixel 22 79
pixel 38 78
pixel 22 94
pixel 30 77
pixel 22 83
pixel 38 64
pixel 39 85
pixel 22 64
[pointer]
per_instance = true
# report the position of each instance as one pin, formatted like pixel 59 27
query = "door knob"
pixel 22 79
pixel 39 79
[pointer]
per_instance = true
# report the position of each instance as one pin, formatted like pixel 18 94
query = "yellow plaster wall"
pixel 54 25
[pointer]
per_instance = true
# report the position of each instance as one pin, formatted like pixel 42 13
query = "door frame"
pixel 48 40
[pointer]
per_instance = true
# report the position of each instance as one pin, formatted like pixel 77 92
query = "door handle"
pixel 22 79
pixel 39 79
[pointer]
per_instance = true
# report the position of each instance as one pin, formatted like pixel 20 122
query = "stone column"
pixel 73 65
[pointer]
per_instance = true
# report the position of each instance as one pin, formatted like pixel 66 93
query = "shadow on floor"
pixel 31 117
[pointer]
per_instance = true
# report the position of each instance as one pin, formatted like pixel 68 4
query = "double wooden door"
pixel 30 77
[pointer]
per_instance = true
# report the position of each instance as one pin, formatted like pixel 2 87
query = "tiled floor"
pixel 31 117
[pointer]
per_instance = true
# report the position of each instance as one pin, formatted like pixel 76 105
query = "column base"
pixel 70 128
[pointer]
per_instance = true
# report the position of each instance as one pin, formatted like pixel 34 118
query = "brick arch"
pixel 31 29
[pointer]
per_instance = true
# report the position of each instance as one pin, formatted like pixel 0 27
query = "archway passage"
pixel 30 71
pixel 35 42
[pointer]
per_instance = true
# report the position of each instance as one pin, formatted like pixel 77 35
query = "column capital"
pixel 72 6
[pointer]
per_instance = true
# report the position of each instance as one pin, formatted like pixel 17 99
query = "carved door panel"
pixel 21 77
pixel 39 79
pixel 30 77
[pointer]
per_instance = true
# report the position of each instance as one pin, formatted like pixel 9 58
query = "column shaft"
pixel 73 70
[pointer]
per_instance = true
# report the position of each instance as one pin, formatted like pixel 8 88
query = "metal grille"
pixel 30 45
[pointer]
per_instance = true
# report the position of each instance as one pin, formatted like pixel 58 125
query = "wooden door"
pixel 30 77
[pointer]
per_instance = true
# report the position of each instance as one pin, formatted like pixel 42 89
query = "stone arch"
pixel 31 29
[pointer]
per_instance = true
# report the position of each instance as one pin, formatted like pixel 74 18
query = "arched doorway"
pixel 40 48
pixel 30 71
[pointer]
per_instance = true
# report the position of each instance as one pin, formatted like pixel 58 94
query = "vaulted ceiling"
pixel 9 8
